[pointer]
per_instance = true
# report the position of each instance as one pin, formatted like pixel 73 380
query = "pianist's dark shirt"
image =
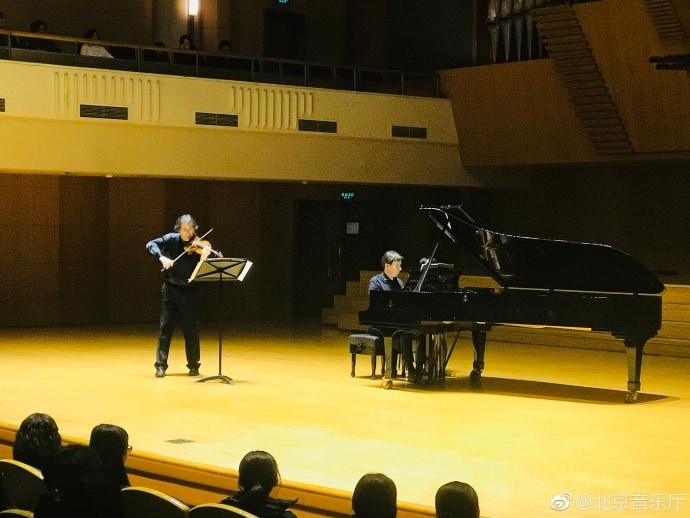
pixel 382 282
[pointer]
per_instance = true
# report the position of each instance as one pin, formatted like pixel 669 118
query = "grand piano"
pixel 550 283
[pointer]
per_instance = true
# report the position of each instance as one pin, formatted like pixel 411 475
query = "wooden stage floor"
pixel 548 421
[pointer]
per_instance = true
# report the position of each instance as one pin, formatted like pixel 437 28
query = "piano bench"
pixel 365 344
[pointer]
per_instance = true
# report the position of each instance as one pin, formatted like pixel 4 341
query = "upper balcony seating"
pixel 159 60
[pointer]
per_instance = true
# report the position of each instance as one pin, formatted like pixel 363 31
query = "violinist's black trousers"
pixel 179 305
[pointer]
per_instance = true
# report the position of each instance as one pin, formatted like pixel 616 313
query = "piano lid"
pixel 526 262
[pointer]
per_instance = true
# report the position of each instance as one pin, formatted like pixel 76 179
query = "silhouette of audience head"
pixel 91 34
pixel 39 43
pixel 457 500
pixel 78 486
pixel 258 475
pixel 38 26
pixel 375 496
pixel 225 46
pixel 111 443
pixel 186 42
pixel 157 56
pixel 258 472
pixel 37 440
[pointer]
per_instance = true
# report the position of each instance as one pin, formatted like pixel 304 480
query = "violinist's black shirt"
pixel 171 245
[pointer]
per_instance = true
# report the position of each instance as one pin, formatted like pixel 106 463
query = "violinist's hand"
pixel 166 262
pixel 205 252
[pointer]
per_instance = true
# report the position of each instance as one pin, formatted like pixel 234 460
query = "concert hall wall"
pixel 74 247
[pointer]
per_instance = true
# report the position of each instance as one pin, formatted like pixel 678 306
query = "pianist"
pixel 388 280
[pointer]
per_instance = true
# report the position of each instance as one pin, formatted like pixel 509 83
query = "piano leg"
pixel 633 348
pixel 479 342
pixel 387 382
pixel 438 348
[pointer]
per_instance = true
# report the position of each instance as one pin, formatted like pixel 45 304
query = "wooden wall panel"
pixel 235 216
pixel 513 114
pixel 83 249
pixel 136 215
pixel 277 246
pixel 29 213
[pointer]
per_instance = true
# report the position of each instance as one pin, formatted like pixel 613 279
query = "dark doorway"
pixel 284 34
pixel 333 242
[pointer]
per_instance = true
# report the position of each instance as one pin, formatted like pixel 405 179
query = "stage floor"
pixel 548 421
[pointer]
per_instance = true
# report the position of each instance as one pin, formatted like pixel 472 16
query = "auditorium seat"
pixel 16 513
pixel 143 502
pixel 23 484
pixel 218 511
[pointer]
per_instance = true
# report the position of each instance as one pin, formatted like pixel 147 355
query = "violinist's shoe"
pixel 194 371
pixel 160 372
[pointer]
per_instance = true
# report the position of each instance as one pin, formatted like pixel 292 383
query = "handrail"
pixel 252 68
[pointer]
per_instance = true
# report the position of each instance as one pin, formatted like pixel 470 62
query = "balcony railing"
pixel 31 47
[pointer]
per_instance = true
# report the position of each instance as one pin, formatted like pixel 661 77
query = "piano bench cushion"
pixel 366 344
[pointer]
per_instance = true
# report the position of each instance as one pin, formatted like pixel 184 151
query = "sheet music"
pixel 196 270
pixel 232 268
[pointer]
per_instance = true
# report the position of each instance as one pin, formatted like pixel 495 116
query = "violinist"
pixel 178 253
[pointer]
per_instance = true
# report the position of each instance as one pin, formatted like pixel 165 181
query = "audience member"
pixel 227 60
pixel 224 47
pixel 457 500
pixel 40 27
pixel 157 56
pixel 6 39
pixel 37 440
pixel 90 49
pixel 183 58
pixel 76 486
pixel 258 475
pixel 375 496
pixel 111 442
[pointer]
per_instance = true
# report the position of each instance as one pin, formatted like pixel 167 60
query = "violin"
pixel 198 245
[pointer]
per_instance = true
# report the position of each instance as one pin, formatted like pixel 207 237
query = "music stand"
pixel 220 269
